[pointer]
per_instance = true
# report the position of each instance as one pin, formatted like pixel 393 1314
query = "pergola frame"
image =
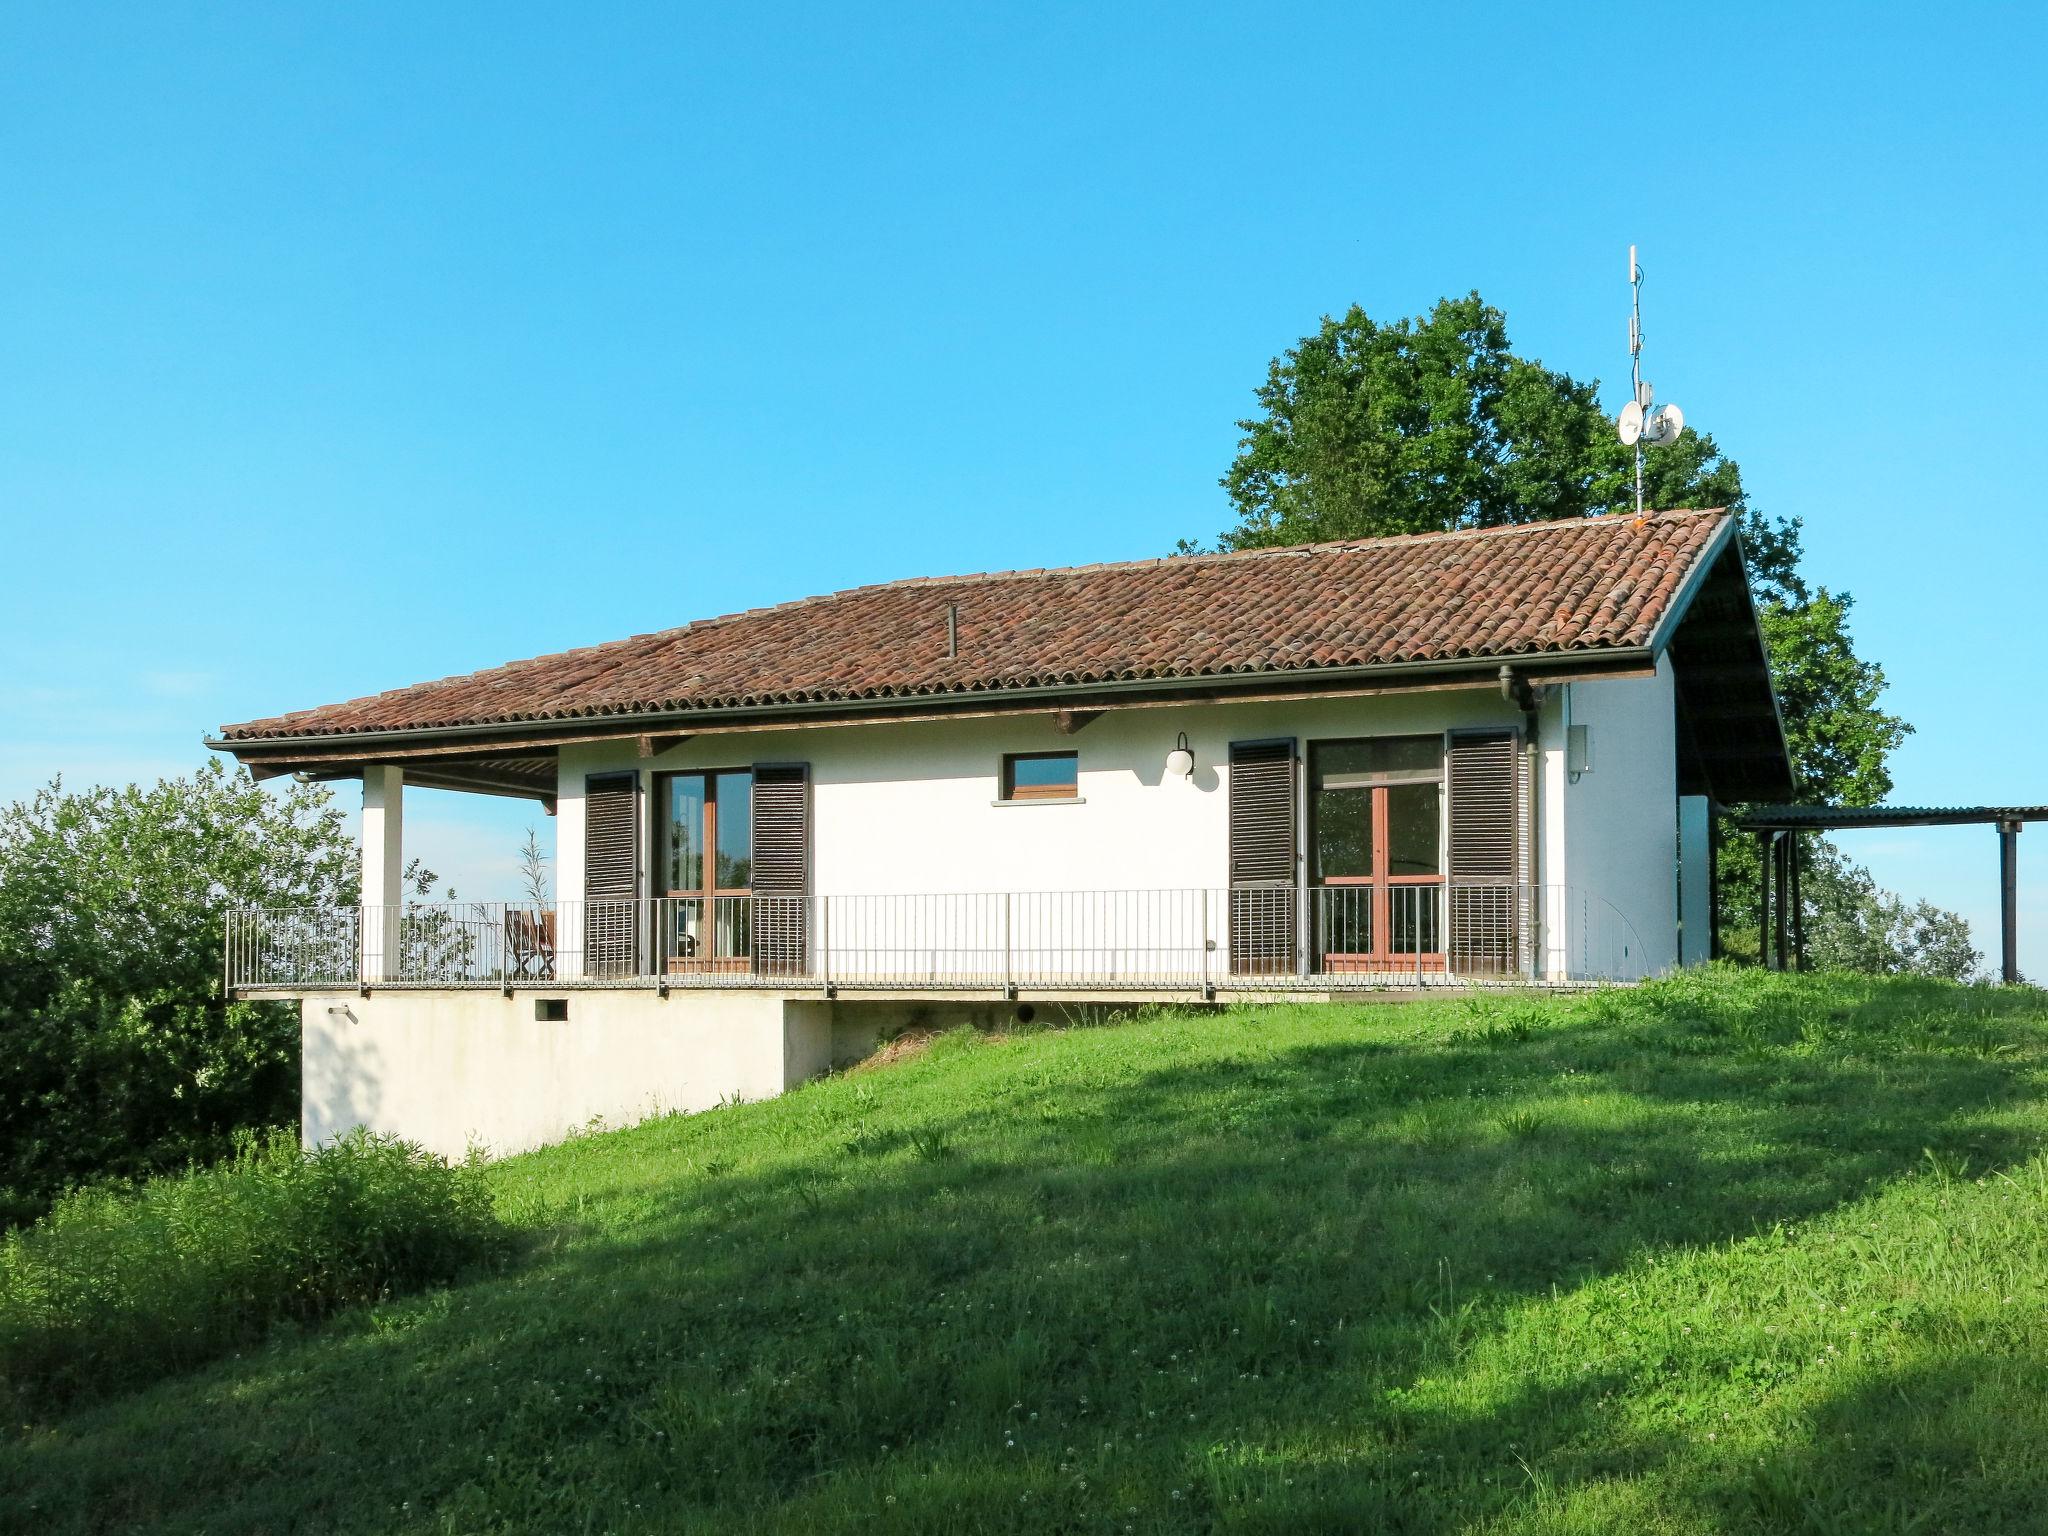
pixel 1781 931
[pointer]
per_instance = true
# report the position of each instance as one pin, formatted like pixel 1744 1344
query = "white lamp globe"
pixel 1180 760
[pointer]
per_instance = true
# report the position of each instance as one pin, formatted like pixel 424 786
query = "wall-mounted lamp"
pixel 1181 759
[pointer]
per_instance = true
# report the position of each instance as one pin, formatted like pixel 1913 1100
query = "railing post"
pixel 825 944
pixel 1009 979
pixel 1202 941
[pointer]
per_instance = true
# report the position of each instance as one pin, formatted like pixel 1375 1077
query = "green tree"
pixel 1853 924
pixel 1431 423
pixel 119 1054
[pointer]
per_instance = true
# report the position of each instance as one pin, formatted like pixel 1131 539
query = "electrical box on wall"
pixel 1578 750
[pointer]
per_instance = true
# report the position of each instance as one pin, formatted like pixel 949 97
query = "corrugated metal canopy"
pixel 1843 818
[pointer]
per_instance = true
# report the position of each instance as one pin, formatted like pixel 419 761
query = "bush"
pixel 120 1057
pixel 117 1287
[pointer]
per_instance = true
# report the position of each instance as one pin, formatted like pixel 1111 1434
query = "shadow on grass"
pixel 1078 1291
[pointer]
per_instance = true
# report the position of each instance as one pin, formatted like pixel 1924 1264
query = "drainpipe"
pixel 1516 690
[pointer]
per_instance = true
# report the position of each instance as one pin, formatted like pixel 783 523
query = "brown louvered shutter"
pixel 611 873
pixel 1262 851
pixel 782 868
pixel 1487 903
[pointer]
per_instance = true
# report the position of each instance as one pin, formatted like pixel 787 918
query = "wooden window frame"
pixel 1381 883
pixel 1013 793
pixel 711 892
pixel 663 799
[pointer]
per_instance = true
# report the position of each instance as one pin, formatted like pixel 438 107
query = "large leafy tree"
pixel 1432 422
pixel 119 1054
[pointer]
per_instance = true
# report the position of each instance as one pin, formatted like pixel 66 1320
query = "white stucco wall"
pixel 1617 826
pixel 907 808
pixel 452 1070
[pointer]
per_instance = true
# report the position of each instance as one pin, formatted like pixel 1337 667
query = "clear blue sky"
pixel 346 347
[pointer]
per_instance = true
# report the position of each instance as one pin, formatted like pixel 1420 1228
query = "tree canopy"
pixel 1431 423
pixel 119 1055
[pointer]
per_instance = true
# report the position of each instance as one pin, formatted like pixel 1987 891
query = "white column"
pixel 1695 881
pixel 383 861
pixel 569 852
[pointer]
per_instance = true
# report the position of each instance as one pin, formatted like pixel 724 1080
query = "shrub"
pixel 116 1287
pixel 120 1056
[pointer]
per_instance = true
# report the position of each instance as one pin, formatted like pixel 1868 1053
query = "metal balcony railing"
pixel 1197 941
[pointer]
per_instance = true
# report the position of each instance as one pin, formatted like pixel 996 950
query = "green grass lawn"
pixel 1728 1252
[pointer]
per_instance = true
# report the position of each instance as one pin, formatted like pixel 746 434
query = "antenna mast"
pixel 1640 428
pixel 1635 360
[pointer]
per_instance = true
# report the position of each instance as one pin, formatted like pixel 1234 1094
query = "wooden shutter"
pixel 1487 903
pixel 781 876
pixel 611 874
pixel 1262 856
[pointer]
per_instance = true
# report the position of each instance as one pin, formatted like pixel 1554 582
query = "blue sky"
pixel 344 347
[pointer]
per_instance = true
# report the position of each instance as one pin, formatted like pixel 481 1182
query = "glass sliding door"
pixel 1376 853
pixel 705 856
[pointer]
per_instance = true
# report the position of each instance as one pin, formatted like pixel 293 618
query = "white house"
pixel 1461 759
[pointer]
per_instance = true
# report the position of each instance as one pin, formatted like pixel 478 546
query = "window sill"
pixel 1046 800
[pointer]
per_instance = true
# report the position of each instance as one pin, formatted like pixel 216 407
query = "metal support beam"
pixel 1784 912
pixel 1794 857
pixel 1766 850
pixel 2009 900
pixel 1714 880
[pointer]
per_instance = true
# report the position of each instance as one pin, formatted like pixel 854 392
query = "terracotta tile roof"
pixel 1582 585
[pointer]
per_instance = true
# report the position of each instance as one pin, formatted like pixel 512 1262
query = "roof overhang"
pixel 1732 745
pixel 475 756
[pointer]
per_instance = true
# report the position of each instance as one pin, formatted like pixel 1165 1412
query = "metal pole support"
pixel 1766 852
pixel 2009 901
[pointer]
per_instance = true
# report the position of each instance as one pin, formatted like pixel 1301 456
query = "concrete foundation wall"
pixel 455 1070
pixel 451 1070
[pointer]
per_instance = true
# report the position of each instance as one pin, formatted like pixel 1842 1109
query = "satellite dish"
pixel 1664 426
pixel 1630 424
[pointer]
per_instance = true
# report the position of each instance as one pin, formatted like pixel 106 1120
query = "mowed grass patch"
pixel 1726 1252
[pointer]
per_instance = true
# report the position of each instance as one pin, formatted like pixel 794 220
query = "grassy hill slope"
pixel 1725 1252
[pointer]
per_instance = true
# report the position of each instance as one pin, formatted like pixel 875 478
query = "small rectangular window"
pixel 1041 776
pixel 551 1010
